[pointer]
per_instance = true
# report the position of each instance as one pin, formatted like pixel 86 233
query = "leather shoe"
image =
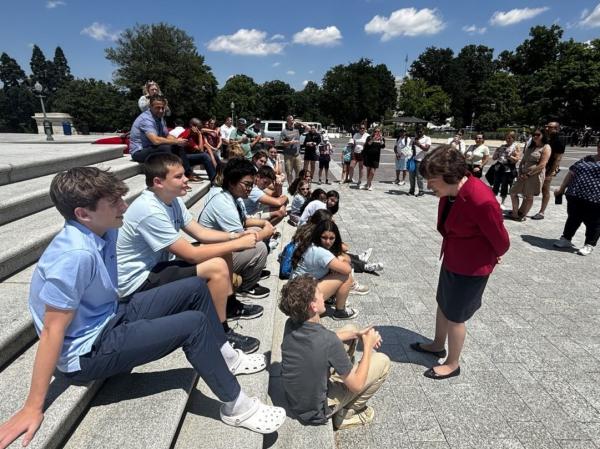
pixel 417 347
pixel 430 373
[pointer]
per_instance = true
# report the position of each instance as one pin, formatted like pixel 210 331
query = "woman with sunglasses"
pixel 300 198
pixel 477 156
pixel 531 175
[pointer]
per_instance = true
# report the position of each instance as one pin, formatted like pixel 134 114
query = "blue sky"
pixel 293 42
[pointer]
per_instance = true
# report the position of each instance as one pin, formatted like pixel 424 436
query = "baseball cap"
pixel 241 121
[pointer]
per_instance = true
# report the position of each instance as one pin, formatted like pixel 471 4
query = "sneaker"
pixel 397 182
pixel 365 255
pixel 345 419
pixel 327 181
pixel 377 266
pixel 363 187
pixel 369 188
pixel 359 289
pixel 344 314
pixel 319 182
pixel 586 250
pixel 401 183
pixel 330 301
pixel 240 311
pixel 242 342
pixel 420 194
pixel 358 183
pixel 256 292
pixel 538 216
pixel 264 274
pixel 273 244
pixel 563 243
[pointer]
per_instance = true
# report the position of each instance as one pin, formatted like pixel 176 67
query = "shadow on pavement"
pixel 545 243
pixel 396 345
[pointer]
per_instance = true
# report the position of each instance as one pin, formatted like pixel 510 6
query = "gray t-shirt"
pixel 222 211
pixel 288 135
pixel 309 351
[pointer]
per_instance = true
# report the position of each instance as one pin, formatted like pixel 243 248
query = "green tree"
pixel 17 106
pixel 95 105
pixel 11 73
pixel 61 69
pixel 433 66
pixel 243 91
pixel 41 69
pixel 419 99
pixel 276 100
pixel 358 91
pixel 307 103
pixel 498 103
pixel 167 55
pixel 535 53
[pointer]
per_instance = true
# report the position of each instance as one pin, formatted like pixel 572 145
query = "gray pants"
pixel 249 264
pixel 415 175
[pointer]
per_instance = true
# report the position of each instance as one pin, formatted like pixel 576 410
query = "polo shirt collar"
pixel 98 241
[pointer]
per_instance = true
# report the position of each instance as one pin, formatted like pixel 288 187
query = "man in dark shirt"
pixel 309 351
pixel 558 149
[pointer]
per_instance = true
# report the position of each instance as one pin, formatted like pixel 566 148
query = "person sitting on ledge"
pixel 149 135
pixel 309 351
pixel 152 252
pixel 262 202
pixel 87 334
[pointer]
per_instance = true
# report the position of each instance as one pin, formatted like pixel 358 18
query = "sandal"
pixel 260 418
pixel 538 216
pixel 248 363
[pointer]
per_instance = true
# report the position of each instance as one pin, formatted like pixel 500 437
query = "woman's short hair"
pixel 84 187
pixel 296 296
pixel 445 161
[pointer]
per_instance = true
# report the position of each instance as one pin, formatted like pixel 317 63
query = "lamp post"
pixel 232 105
pixel 47 124
pixel 471 130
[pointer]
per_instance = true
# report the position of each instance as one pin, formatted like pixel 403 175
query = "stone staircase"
pixel 159 405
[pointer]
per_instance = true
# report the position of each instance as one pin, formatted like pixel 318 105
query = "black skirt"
pixel 371 157
pixel 459 296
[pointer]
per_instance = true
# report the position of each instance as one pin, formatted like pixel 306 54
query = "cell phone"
pixel 558 199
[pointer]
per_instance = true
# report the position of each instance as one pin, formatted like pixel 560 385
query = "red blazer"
pixel 474 232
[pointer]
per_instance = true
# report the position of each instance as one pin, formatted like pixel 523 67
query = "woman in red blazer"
pixel 470 221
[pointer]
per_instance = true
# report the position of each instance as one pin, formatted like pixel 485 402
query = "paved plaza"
pixel 530 370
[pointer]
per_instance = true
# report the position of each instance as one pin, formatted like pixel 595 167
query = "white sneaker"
pixel 365 255
pixel 370 188
pixel 359 289
pixel 586 250
pixel 364 187
pixel 376 266
pixel 564 243
pixel 401 183
pixel 358 183
pixel 396 182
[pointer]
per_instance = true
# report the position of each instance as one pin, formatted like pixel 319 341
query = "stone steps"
pixel 20 199
pixel 22 161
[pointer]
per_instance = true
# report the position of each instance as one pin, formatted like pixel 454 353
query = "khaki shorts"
pixel 292 164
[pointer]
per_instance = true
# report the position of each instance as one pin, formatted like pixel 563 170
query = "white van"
pixel 272 129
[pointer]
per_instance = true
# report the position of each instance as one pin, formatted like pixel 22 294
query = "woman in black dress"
pixel 371 155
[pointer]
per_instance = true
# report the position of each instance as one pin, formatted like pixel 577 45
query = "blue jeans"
pixel 154 323
pixel 204 159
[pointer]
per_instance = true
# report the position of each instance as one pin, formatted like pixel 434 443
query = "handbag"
pixel 411 165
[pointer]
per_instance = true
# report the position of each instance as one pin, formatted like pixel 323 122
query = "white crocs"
pixel 260 418
pixel 248 363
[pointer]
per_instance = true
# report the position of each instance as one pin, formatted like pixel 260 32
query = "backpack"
pixel 285 260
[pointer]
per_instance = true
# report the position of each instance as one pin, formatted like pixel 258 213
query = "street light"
pixel 232 105
pixel 47 123
pixel 472 120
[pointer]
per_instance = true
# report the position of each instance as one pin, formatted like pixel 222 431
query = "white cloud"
pixel 100 32
pixel 326 37
pixel 51 4
pixel 505 18
pixel 406 22
pixel 276 64
pixel 472 29
pixel 304 83
pixel 290 72
pixel 591 20
pixel 277 37
pixel 246 42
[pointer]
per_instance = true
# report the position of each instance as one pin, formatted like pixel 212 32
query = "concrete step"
pixel 24 198
pixel 201 425
pixel 31 160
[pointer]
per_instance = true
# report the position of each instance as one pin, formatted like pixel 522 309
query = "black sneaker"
pixel 244 311
pixel 246 344
pixel 330 301
pixel 420 194
pixel 264 274
pixel 344 314
pixel 256 292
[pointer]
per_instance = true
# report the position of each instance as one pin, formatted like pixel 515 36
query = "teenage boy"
pixel 224 211
pixel 87 334
pixel 152 252
pixel 309 351
pixel 262 202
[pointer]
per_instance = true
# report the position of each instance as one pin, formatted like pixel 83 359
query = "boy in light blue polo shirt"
pixel 88 335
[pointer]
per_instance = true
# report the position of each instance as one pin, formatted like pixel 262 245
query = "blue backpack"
pixel 285 261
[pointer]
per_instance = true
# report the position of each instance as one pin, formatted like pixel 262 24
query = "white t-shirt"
pixel 359 142
pixel 424 140
pixel 226 131
pixel 403 147
pixel 297 203
pixel 310 209
pixel 475 154
pixel 459 146
pixel 176 132
pixel 149 227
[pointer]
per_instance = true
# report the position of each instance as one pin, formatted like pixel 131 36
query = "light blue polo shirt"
pixel 149 227
pixel 145 123
pixel 77 271
pixel 315 262
pixel 252 203
pixel 223 212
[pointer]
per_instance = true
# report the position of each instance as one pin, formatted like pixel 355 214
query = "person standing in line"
pixel 505 169
pixel 225 130
pixel 372 154
pixel 290 139
pixel 325 152
pixel 477 156
pixel 581 186
pixel 311 146
pixel 402 150
pixel 474 240
pixel 420 145
pixel 458 142
pixel 557 150
pixel 359 139
pixel 531 175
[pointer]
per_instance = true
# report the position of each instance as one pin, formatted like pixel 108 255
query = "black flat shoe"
pixel 417 347
pixel 433 375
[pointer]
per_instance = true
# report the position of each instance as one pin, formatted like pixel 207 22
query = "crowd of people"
pixel 97 318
